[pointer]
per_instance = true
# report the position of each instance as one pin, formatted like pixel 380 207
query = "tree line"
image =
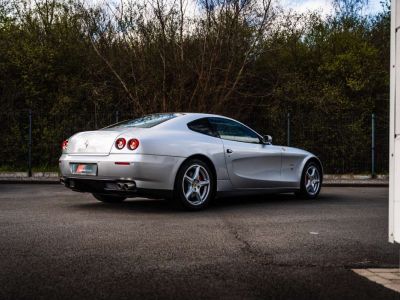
pixel 80 66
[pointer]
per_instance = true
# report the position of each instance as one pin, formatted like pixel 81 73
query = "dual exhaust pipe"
pixel 128 186
pixel 120 186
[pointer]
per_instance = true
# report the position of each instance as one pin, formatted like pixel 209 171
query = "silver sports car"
pixel 188 157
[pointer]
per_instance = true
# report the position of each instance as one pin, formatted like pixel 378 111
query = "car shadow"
pixel 265 200
pixel 161 206
pixel 134 204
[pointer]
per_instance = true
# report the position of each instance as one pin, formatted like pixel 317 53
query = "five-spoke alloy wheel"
pixel 194 186
pixel 311 180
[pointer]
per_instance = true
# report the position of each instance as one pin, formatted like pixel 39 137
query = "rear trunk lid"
pixel 97 142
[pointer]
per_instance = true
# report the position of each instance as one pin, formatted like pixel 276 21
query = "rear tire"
pixel 109 198
pixel 311 181
pixel 194 185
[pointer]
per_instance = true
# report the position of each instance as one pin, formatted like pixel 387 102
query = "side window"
pixel 234 131
pixel 202 126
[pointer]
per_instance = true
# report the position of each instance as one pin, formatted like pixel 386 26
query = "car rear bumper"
pixel 111 186
pixel 144 171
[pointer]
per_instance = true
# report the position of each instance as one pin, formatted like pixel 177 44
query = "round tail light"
pixel 64 145
pixel 133 144
pixel 120 143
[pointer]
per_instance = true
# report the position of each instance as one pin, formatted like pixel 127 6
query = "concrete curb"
pixel 22 177
pixel 329 179
pixel 28 181
pixel 355 184
pixel 350 180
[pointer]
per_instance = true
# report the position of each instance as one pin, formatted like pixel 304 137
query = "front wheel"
pixel 311 181
pixel 194 185
pixel 109 198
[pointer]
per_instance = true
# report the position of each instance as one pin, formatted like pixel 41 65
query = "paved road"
pixel 57 244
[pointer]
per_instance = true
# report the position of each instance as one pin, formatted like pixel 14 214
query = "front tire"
pixel 109 198
pixel 311 181
pixel 194 185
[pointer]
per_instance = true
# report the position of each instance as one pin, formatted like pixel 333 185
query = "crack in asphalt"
pixel 268 260
pixel 246 246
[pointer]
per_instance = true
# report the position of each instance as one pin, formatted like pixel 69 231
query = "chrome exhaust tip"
pixel 126 186
pixel 130 186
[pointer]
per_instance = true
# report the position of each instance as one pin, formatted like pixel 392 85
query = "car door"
pixel 251 164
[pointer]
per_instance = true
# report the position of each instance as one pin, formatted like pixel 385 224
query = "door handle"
pixel 229 151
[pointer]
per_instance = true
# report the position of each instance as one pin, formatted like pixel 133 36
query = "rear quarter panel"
pixel 181 143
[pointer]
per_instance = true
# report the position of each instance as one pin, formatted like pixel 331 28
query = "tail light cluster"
pixel 131 145
pixel 64 145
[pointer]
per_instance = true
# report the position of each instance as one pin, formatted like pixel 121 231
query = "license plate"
pixel 84 169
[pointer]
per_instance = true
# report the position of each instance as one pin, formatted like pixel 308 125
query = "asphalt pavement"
pixel 58 244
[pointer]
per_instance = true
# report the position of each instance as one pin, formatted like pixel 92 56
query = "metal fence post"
pixel 30 145
pixel 373 146
pixel 288 129
pixel 116 116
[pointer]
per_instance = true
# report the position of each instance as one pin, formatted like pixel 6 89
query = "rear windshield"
pixel 146 121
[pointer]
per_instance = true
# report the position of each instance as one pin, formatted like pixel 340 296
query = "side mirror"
pixel 267 139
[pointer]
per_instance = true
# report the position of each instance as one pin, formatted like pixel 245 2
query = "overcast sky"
pixel 325 5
